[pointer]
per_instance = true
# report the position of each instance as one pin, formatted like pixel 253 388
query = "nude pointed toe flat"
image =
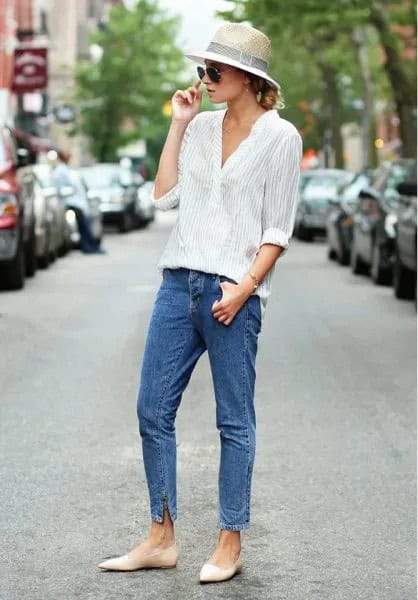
pixel 213 574
pixel 160 559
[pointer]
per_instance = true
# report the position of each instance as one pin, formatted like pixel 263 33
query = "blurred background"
pixel 85 89
pixel 95 76
pixel 93 79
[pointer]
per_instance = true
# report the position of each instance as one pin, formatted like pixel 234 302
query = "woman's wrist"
pixel 247 285
pixel 179 123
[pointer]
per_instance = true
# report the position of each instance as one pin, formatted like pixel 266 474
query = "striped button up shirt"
pixel 227 213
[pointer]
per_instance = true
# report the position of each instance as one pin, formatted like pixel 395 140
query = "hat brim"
pixel 200 57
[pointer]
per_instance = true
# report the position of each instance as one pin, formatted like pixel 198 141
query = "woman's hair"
pixel 268 97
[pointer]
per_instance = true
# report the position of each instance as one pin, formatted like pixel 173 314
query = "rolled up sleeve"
pixel 281 192
pixel 171 198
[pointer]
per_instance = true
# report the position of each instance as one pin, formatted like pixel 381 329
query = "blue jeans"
pixel 182 327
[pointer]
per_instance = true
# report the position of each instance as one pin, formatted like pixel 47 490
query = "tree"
pixel 401 73
pixel 313 65
pixel 121 95
pixel 320 25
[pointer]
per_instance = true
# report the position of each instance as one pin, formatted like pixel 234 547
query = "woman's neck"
pixel 244 109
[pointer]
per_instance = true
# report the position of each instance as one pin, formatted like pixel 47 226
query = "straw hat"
pixel 240 46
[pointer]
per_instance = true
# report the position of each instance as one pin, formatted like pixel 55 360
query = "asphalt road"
pixel 334 482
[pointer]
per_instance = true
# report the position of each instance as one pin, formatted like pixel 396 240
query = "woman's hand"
pixel 186 103
pixel 233 297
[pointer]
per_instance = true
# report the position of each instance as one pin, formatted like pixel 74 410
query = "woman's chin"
pixel 215 99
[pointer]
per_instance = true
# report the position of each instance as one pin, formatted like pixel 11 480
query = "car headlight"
pixel 70 217
pixel 390 222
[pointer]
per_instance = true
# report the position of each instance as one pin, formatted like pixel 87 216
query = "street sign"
pixel 30 70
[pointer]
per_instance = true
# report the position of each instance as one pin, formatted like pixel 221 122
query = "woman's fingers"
pixel 180 95
pixel 221 314
pixel 189 95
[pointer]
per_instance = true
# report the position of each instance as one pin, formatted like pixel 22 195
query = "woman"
pixel 234 174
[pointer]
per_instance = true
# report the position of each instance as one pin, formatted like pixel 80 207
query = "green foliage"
pixel 314 37
pixel 121 95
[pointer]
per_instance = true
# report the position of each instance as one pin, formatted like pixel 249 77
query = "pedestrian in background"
pixel 62 179
pixel 234 174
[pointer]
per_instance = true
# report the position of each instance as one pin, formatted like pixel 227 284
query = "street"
pixel 333 506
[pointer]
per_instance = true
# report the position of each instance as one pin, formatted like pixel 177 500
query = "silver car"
pixel 114 186
pixel 59 233
pixel 145 207
pixel 44 200
pixel 320 190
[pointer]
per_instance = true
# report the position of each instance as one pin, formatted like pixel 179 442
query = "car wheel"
pixel 304 234
pixel 15 270
pixel 43 261
pixel 30 257
pixel 379 276
pixel 404 281
pixel 126 222
pixel 332 255
pixel 63 249
pixel 343 257
pixel 358 266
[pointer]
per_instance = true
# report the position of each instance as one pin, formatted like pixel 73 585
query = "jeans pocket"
pixel 223 278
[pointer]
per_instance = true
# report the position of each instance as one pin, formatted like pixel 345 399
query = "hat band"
pixel 244 58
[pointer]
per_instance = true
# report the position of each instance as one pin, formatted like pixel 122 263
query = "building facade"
pixel 63 29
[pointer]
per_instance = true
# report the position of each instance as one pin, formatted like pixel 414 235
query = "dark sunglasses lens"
pixel 213 74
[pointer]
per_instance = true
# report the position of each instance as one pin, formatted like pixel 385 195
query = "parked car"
pixel 60 240
pixel 17 216
pixel 312 211
pixel 373 245
pixel 405 263
pixel 340 217
pixel 89 203
pixel 44 199
pixel 115 187
pixel 145 205
pixel 305 176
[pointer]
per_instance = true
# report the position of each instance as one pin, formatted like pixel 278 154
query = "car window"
pixel 104 176
pixel 397 173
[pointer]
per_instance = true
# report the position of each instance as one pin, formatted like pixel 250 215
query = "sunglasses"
pixel 213 73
